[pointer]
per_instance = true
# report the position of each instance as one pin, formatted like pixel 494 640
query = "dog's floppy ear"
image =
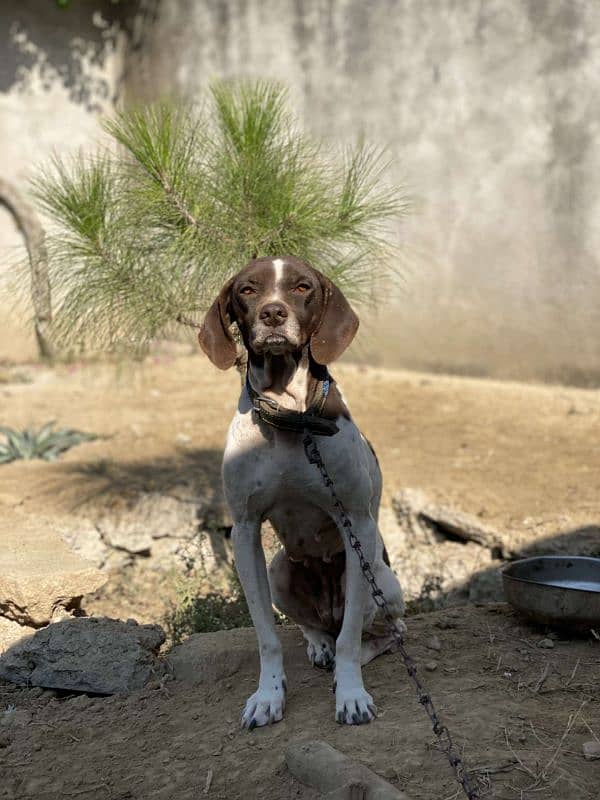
pixel 214 336
pixel 337 326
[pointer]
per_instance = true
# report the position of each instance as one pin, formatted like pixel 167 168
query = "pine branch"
pixel 145 238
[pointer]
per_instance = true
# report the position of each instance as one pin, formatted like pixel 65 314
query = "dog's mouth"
pixel 276 339
pixel 276 343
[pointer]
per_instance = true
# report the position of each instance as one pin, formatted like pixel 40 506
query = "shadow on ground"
pixel 195 474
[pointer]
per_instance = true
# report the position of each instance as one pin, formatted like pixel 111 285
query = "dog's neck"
pixel 286 378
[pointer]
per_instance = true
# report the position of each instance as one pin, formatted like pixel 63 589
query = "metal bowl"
pixel 555 589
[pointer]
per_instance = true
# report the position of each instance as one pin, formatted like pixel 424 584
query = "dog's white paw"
pixel 354 706
pixel 264 706
pixel 321 650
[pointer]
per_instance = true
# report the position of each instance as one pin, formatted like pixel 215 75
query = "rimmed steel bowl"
pixel 555 589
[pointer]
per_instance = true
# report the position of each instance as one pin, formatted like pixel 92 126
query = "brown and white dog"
pixel 294 321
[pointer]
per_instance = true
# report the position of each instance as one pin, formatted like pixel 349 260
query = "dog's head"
pixel 280 305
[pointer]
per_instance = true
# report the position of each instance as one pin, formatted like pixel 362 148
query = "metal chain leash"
pixel 440 730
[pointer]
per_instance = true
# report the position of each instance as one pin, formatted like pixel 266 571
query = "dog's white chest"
pixel 265 469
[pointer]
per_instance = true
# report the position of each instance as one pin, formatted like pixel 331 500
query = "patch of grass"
pixel 45 443
pixel 214 611
pixel 430 598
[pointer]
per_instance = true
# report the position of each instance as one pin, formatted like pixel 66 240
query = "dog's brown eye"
pixel 247 290
pixel 301 288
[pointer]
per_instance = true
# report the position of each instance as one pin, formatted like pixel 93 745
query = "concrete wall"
pixel 60 70
pixel 490 107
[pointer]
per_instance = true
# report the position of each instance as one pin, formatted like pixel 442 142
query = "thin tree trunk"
pixel 35 241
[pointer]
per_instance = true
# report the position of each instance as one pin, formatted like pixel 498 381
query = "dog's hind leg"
pixel 295 596
pixel 371 648
pixel 378 639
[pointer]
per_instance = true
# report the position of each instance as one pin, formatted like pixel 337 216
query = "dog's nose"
pixel 273 314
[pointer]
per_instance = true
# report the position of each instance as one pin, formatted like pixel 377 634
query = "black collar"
pixel 270 412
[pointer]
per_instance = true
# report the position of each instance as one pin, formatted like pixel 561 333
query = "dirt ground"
pixel 518 713
pixel 521 457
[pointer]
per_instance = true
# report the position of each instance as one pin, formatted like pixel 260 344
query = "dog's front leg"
pixel 266 705
pixel 353 704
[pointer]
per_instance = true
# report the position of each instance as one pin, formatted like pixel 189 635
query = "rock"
pixel 334 775
pixel 431 666
pixel 154 525
pixel 98 655
pixel 15 717
pixel 432 523
pixel 11 632
pixel 440 554
pixel 86 540
pixel 39 573
pixel 591 751
pixel 434 643
pixel 546 644
pixel 206 657
pixel 445 623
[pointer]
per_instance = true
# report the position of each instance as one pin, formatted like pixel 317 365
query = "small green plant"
pixel 215 611
pixel 45 443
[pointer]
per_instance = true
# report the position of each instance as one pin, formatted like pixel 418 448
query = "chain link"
pixel 440 730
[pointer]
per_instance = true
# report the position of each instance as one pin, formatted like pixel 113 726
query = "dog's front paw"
pixel 264 707
pixel 354 706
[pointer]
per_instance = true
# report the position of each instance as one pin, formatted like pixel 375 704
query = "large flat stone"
pixel 38 571
pixel 86 654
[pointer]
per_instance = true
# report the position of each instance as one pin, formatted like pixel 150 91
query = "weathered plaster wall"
pixel 492 108
pixel 59 71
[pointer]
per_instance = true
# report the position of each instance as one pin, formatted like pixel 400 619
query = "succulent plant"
pixel 45 443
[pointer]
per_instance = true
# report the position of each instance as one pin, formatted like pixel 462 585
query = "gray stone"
pixel 591 750
pixel 95 654
pixel 546 644
pixel 433 643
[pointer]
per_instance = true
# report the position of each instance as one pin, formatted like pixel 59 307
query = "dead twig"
pixel 523 766
pixel 575 668
pixel 491 769
pixel 570 722
pixel 542 677
pixel 588 726
pixel 86 789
